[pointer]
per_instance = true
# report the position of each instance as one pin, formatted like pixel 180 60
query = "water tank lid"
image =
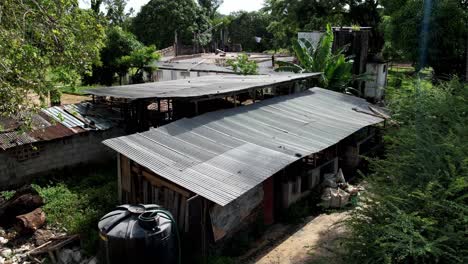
pixel 122 212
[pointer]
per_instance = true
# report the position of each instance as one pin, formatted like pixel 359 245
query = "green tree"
pixel 210 7
pixel 336 68
pixel 158 21
pixel 242 65
pixel 96 6
pixel 446 34
pixel 141 60
pixel 118 43
pixel 42 44
pixel 244 26
pixel 290 16
pixel 116 12
pixel 416 207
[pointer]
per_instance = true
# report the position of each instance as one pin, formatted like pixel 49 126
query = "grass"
pixel 76 90
pixel 6 195
pixel 75 203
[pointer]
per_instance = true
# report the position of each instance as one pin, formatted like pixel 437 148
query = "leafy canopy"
pixel 42 44
pixel 287 17
pixel 118 43
pixel 446 34
pixel 158 21
pixel 243 27
pixel 336 67
pixel 141 60
pixel 210 7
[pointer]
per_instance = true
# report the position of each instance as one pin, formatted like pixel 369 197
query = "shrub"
pixel 76 204
pixel 336 68
pixel 416 207
pixel 243 65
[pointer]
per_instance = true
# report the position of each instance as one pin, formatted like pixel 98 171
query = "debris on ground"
pixel 25 200
pixel 336 192
pixel 26 238
pixel 30 222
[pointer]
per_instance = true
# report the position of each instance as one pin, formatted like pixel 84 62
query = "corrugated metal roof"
pixel 62 116
pixel 15 138
pixel 203 86
pixel 96 118
pixel 69 120
pixel 191 66
pixel 221 155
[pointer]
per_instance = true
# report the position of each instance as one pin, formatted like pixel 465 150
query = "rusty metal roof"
pixel 58 122
pixel 221 155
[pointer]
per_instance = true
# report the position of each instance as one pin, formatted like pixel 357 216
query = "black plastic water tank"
pixel 137 234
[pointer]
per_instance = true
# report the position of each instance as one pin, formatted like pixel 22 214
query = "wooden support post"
pixel 203 228
pixel 119 179
pixel 254 95
pixel 196 107
pixel 235 100
pixel 175 206
pixel 182 209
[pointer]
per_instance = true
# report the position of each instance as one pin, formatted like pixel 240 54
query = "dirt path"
pixel 312 243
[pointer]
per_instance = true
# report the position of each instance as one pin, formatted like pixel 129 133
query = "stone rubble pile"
pixel 23 231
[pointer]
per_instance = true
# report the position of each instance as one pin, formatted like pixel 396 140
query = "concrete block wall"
pixel 57 154
pixel 291 190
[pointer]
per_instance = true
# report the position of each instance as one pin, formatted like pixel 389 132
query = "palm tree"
pixel 336 68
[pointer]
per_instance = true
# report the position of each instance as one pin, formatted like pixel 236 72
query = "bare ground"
pixel 73 99
pixel 315 241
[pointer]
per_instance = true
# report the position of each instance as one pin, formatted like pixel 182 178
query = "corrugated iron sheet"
pixel 53 132
pixel 221 155
pixel 193 66
pixel 203 86
pixel 59 122
pixel 62 116
pixel 95 118
pixel 15 138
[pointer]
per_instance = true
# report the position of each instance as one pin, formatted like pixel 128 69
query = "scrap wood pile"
pixel 24 236
pixel 336 192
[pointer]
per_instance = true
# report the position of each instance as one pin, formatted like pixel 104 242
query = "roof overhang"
pixel 199 87
pixel 221 155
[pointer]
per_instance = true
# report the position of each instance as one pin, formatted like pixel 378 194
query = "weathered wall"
pixel 226 220
pixel 291 190
pixel 56 154
pixel 377 82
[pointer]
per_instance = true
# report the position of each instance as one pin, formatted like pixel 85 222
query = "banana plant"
pixel 335 66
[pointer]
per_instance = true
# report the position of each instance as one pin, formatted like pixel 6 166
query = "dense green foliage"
pixel 118 43
pixel 209 7
pixel 141 61
pixel 158 21
pixel 290 16
pixel 244 26
pixel 243 65
pixel 42 44
pixel 336 67
pixel 416 207
pixel 121 53
pixel 77 205
pixel 446 33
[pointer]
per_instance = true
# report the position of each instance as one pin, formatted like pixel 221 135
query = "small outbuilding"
pixel 219 171
pixel 60 137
